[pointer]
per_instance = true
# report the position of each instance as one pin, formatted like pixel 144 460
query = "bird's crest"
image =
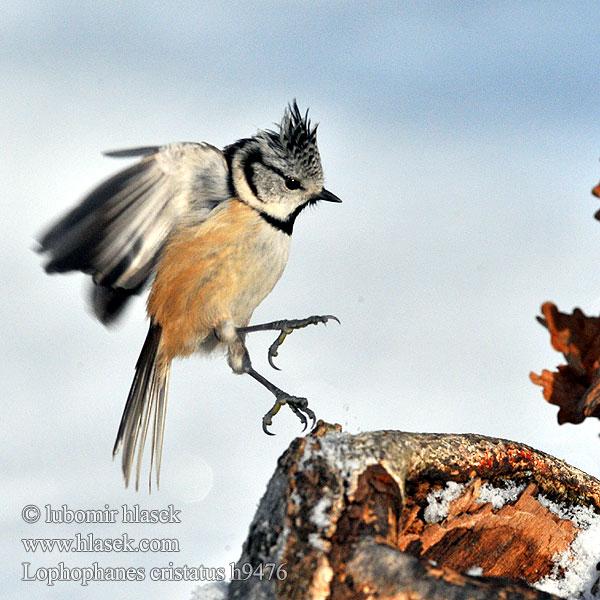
pixel 296 136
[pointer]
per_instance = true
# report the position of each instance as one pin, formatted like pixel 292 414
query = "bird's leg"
pixel 285 327
pixel 239 361
pixel 299 406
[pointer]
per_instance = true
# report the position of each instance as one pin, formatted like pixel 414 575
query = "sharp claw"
pixel 299 406
pixel 288 327
pixel 300 409
pixel 272 353
pixel 312 417
pixel 302 419
pixel 264 428
pixel 323 319
pixel 270 357
pixel 267 420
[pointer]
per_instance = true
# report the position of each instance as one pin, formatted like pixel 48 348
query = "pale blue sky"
pixel 464 143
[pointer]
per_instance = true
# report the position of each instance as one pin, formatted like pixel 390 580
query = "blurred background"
pixel 463 140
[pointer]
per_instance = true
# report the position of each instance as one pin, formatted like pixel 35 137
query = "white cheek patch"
pixel 281 209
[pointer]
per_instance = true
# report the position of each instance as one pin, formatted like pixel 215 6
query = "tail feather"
pixel 159 426
pixel 148 394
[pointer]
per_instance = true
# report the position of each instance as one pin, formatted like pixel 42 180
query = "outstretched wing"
pixel 118 230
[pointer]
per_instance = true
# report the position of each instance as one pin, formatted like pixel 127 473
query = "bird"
pixel 209 232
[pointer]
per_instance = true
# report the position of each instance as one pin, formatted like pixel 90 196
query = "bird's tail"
pixel 148 394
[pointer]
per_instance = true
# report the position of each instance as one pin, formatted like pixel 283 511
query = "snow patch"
pixel 582 516
pixel 439 501
pixel 318 514
pixel 337 448
pixel 215 590
pixel 315 540
pixel 499 496
pixel 574 571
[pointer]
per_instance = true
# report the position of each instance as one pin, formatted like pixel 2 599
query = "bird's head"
pixel 279 172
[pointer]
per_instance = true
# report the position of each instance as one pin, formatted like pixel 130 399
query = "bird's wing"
pixel 117 231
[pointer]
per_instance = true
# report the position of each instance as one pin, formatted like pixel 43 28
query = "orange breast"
pixel 203 273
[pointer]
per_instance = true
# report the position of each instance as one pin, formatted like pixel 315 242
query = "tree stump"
pixel 393 515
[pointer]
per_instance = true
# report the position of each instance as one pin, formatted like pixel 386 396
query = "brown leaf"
pixel 575 387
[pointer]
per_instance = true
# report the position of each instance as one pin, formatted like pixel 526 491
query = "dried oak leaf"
pixel 596 192
pixel 575 387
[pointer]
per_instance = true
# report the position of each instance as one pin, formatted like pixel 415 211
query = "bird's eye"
pixel 291 183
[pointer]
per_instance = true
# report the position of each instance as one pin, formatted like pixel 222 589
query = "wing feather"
pixel 117 231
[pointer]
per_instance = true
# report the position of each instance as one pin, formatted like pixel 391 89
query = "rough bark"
pixel 344 516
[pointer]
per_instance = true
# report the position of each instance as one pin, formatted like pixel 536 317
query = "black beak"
pixel 325 195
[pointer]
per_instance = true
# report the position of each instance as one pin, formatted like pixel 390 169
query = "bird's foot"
pixel 285 327
pixel 298 405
